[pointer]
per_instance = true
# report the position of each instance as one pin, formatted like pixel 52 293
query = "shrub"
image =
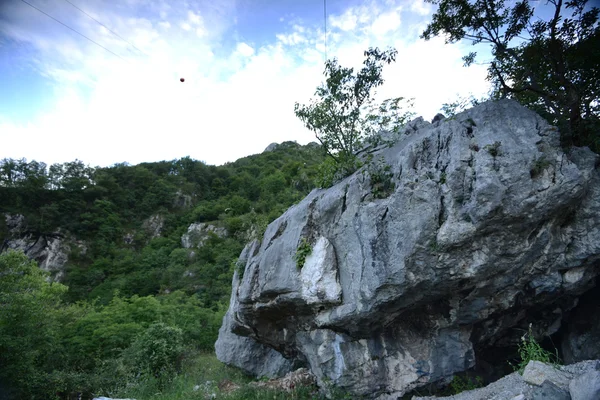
pixel 303 251
pixel 382 185
pixel 157 352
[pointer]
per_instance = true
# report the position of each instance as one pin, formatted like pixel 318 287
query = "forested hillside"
pixel 129 283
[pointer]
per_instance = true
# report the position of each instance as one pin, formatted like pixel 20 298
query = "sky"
pixel 245 64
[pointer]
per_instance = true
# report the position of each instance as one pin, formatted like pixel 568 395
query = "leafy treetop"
pixel 344 113
pixel 550 65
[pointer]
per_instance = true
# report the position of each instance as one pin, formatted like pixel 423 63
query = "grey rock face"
pixel 245 352
pixel 550 391
pixel 438 117
pixel 537 373
pixel 515 387
pixel 271 147
pixel 586 386
pixel 198 233
pixel 488 218
pixel 154 225
pixel 50 251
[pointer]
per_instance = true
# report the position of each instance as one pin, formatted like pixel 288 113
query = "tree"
pixel 345 113
pixel 550 66
pixel 31 320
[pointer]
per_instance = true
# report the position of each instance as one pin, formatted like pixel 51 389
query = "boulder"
pixel 581 376
pixel 536 373
pixel 586 386
pixel 483 218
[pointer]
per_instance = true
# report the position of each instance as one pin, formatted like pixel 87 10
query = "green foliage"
pixel 345 114
pixel 547 64
pixel 493 149
pixel 58 342
pixel 31 322
pixel 539 165
pixel 331 171
pixel 462 384
pixel 443 177
pixel 156 353
pixel 382 183
pixel 303 251
pixel 530 350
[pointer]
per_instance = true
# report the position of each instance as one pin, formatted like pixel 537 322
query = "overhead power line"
pixel 77 32
pixel 325 20
pixel 110 30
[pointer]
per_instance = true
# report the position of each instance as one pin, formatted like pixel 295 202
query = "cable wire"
pixel 325 19
pixel 79 33
pixel 110 30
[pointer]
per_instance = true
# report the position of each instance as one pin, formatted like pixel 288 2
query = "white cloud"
pixel 244 49
pixel 291 39
pixel 385 23
pixel 194 18
pixel 420 7
pixel 234 101
pixel 346 22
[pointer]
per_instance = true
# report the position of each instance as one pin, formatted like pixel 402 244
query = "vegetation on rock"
pixel 548 65
pixel 345 113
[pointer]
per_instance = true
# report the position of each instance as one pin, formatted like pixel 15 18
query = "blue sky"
pixel 245 63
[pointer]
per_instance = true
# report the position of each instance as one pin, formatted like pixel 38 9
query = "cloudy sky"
pixel 245 64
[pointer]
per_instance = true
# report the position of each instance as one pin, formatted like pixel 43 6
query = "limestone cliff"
pixel 447 240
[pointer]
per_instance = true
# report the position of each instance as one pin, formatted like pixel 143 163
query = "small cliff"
pixel 457 232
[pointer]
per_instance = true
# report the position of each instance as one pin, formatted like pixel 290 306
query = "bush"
pixel 156 354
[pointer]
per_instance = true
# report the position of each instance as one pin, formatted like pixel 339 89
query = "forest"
pixel 131 307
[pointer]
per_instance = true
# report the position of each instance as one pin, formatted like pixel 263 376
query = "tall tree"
pixel 344 113
pixel 551 66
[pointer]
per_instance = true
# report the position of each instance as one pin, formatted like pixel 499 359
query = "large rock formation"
pixel 51 251
pixel 455 233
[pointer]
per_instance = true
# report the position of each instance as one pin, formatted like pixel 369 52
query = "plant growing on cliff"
pixel 539 165
pixel 382 184
pixel 493 149
pixel 462 384
pixel 530 350
pixel 303 251
pixel 345 113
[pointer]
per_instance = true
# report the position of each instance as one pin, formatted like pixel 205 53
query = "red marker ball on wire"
pixel 181 79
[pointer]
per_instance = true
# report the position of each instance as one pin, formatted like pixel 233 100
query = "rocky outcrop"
pixel 540 381
pixel 50 251
pixel 245 352
pixel 153 226
pixel 198 233
pixel 271 147
pixel 451 236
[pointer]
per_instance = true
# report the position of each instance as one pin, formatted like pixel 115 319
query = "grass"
pixel 200 378
pixel 530 350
